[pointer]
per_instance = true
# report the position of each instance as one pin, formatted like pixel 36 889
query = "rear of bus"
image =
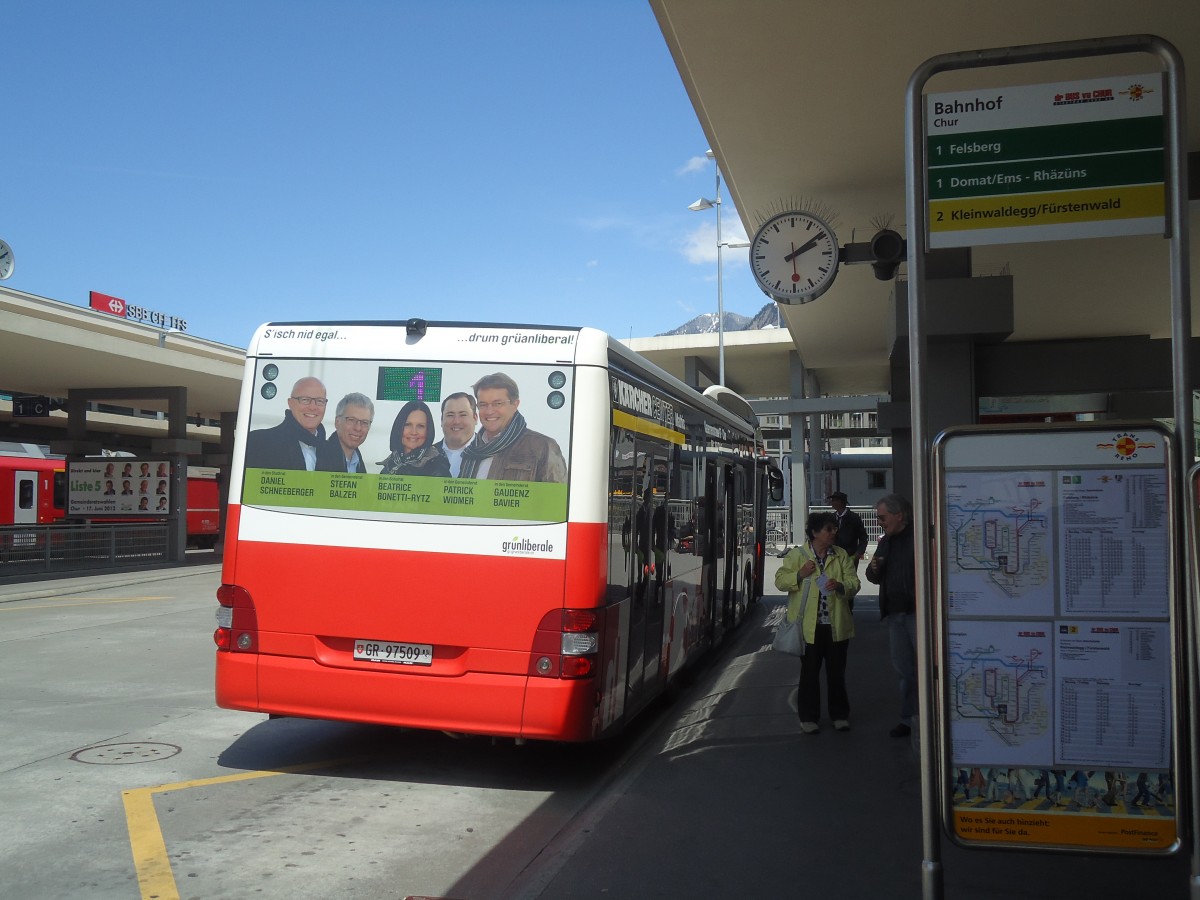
pixel 416 598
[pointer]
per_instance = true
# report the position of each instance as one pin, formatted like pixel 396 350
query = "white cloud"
pixel 734 233
pixel 695 164
pixel 699 246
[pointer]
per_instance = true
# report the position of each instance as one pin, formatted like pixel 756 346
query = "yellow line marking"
pixel 84 603
pixel 645 426
pixel 149 848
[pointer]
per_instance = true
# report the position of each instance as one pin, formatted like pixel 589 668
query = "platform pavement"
pixel 732 800
pixel 81 583
pixel 737 802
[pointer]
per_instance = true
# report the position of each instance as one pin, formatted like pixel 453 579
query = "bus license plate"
pixel 388 652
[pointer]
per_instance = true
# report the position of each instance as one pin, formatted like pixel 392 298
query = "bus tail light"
pixel 567 643
pixel 237 623
pixel 580 644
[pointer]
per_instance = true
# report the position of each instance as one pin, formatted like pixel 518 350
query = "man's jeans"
pixel 902 636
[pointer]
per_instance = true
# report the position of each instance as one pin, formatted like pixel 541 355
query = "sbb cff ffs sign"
pixel 117 307
pixel 105 303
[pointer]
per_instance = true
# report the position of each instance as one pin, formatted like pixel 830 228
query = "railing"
pixel 779 529
pixel 779 525
pixel 36 549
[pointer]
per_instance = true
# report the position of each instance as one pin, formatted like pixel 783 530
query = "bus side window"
pixel 621 507
pixel 682 504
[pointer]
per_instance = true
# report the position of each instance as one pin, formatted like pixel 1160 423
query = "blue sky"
pixel 231 163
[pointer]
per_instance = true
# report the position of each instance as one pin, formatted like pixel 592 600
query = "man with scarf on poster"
pixel 293 443
pixel 505 448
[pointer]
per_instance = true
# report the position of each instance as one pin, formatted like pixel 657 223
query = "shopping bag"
pixel 789 638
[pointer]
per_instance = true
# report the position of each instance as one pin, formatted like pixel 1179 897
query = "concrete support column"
pixel 697 374
pixel 177 447
pixel 962 313
pixel 816 445
pixel 796 383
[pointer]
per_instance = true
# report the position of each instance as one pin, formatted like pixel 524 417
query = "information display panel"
pixel 1075 159
pixel 1056 605
pixel 119 487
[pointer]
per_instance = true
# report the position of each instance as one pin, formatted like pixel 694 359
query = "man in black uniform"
pixel 893 568
pixel 851 533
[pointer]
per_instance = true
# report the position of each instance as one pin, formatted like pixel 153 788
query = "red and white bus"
pixel 525 597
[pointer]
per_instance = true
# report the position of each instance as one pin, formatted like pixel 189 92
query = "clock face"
pixel 6 260
pixel 794 257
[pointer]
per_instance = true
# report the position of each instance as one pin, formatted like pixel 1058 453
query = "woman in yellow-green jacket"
pixel 821 581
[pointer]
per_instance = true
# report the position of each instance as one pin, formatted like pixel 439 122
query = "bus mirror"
pixel 774 484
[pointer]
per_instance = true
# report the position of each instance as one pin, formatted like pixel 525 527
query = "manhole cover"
pixel 125 754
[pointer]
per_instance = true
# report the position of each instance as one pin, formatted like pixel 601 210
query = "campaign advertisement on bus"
pixel 97 487
pixel 410 440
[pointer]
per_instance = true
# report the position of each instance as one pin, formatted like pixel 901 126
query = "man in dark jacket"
pixel 505 449
pixel 894 569
pixel 351 425
pixel 293 443
pixel 851 533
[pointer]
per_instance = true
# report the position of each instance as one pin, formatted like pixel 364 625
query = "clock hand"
pixel 812 242
pixel 795 268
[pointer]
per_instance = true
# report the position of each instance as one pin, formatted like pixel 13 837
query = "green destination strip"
pixel 1045 141
pixel 1062 173
pixel 406 495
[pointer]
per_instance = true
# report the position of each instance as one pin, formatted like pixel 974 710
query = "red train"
pixel 33 491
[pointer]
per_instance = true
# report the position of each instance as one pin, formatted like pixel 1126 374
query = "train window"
pixel 25 493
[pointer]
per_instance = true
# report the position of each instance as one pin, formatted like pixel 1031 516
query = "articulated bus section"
pixel 603 530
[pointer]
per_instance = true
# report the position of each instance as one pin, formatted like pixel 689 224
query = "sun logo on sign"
pixel 1136 92
pixel 1126 446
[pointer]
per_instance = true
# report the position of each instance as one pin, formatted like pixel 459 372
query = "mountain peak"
pixel 706 323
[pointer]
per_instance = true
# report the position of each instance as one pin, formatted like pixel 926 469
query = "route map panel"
pixel 1055 597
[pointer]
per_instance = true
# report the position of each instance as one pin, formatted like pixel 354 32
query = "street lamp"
pixel 715 203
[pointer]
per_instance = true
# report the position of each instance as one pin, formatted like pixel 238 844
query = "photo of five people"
pixel 476 433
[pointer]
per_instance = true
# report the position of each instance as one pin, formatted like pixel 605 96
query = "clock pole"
pixel 720 285
pixel 704 203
